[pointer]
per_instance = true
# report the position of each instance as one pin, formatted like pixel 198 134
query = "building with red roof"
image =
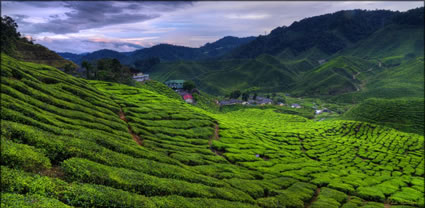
pixel 188 98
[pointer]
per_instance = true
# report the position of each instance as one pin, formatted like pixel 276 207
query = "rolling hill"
pixel 70 142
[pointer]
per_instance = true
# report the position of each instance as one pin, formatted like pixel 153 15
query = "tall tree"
pixel 188 85
pixel 235 94
pixel 245 96
pixel 87 66
pixel 8 35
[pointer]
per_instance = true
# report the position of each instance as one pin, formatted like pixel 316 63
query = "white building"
pixel 140 77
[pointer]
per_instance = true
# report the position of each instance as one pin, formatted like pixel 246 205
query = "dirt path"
pixel 215 136
pixel 316 195
pixel 135 137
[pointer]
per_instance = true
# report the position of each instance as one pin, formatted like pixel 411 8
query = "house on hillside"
pixel 295 105
pixel 188 98
pixel 322 61
pixel 140 77
pixel 326 110
pixel 175 84
pixel 230 102
pixel 263 100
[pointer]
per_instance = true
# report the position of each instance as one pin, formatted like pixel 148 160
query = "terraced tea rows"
pixel 359 159
pixel 70 142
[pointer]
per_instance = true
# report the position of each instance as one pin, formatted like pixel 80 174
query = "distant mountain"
pixel 222 46
pixel 100 54
pixel 165 52
pixel 328 33
pixel 71 56
pixel 346 55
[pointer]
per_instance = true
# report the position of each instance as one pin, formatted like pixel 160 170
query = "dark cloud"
pixel 88 15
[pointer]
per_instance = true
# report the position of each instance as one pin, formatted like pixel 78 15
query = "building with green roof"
pixel 175 84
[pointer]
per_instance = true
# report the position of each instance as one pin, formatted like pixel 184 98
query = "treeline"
pixel 110 70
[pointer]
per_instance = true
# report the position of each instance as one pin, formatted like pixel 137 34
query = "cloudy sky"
pixel 77 26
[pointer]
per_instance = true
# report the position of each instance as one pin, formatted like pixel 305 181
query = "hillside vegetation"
pixel 19 47
pixel 69 142
pixel 403 114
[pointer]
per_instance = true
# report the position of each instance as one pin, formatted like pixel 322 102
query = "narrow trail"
pixel 215 136
pixel 135 137
pixel 316 195
pixel 363 83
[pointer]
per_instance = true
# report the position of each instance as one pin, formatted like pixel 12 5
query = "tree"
pixel 245 96
pixel 273 95
pixel 281 100
pixel 116 65
pixel 8 34
pixel 87 66
pixel 235 94
pixel 188 85
pixel 255 96
pixel 69 69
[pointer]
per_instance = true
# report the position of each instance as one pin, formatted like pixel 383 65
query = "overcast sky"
pixel 126 26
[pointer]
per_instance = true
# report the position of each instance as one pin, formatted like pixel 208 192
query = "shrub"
pixel 22 156
pixel 29 201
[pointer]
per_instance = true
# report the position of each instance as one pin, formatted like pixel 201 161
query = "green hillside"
pixel 393 40
pixel 405 80
pixel 71 142
pixel 222 76
pixel 339 75
pixel 16 45
pixel 403 114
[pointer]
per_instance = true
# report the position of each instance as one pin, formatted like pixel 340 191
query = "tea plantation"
pixel 69 142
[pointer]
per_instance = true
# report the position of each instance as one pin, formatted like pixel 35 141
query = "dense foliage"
pixel 9 34
pixel 108 70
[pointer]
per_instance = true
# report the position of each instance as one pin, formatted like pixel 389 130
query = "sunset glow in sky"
pixel 126 26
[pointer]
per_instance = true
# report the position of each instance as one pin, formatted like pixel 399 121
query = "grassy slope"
pixel 63 142
pixel 403 81
pixel 159 88
pixel 339 75
pixel 222 76
pixel 39 54
pixel 403 114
